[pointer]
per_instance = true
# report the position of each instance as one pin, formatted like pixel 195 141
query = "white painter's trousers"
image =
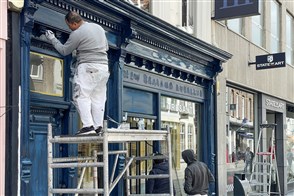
pixel 89 94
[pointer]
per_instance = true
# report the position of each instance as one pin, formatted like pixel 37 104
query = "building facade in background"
pixel 246 97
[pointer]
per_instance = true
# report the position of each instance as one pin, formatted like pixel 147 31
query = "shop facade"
pixel 158 75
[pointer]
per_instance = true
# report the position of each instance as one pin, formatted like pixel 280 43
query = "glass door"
pixel 183 118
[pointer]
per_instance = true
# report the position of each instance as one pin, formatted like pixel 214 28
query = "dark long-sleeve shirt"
pixel 197 175
pixel 159 185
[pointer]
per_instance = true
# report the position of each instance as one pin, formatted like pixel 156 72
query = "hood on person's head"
pixel 188 156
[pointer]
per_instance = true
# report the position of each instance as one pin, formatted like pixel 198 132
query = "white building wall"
pixel 277 82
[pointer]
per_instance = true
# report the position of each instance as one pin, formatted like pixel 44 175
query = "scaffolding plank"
pixel 85 191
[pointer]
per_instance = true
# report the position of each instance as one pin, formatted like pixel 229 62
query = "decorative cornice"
pixel 162 42
pixel 85 9
pixel 163 70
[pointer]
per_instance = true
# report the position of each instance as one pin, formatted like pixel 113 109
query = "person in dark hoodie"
pixel 159 185
pixel 197 175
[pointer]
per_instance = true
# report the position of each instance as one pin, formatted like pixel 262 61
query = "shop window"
pixel 184 123
pixel 275 26
pixel 289 39
pixel 239 134
pixel 257 26
pixel 46 74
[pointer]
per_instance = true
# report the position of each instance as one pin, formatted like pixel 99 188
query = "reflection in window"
pixel 239 132
pixel 190 137
pixel 182 135
pixel 37 71
pixel 46 74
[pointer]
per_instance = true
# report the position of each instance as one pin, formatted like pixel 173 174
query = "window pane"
pixel 182 11
pixel 289 39
pixel 257 26
pixel 142 4
pixel 46 76
pixel 275 27
pixel 239 134
pixel 235 25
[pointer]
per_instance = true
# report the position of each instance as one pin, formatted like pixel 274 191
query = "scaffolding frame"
pixel 109 135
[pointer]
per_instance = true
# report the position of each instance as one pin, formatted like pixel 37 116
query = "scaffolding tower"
pixel 109 135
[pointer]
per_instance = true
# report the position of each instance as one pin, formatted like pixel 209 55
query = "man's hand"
pixel 49 35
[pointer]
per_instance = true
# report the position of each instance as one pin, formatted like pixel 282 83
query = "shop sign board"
pixel 228 9
pixel 270 61
pixel 273 104
pixel 146 79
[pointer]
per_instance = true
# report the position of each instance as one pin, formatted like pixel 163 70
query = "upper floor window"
pixel 289 39
pixel 275 26
pixel 187 16
pixel 142 4
pixel 257 27
pixel 178 13
pixel 235 25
